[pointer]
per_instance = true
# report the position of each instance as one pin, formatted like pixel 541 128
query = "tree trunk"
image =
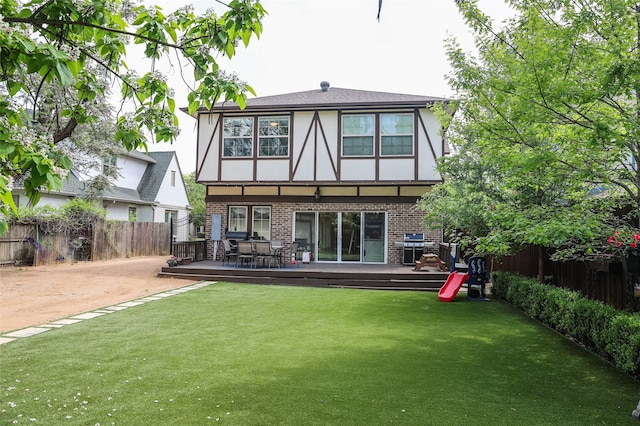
pixel 540 263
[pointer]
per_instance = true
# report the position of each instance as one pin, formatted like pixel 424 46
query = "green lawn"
pixel 240 354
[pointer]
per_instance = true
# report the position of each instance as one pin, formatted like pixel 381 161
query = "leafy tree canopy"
pixel 196 193
pixel 66 41
pixel 548 116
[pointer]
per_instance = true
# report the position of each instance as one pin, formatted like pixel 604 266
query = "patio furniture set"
pixel 259 253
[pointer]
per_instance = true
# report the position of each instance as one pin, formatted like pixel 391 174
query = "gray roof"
pixel 332 98
pixel 119 193
pixel 154 175
pixel 145 193
pixel 71 185
pixel 150 182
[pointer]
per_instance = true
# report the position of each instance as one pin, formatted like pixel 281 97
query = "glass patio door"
pixel 349 236
pixel 342 236
pixel 374 237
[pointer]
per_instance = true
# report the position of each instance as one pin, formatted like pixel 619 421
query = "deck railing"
pixel 196 250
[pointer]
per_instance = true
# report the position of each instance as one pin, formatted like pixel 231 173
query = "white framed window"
pixel 253 219
pixel 173 178
pixel 170 216
pixel 396 134
pixel 273 136
pixel 261 224
pixel 109 162
pixel 238 137
pixel 238 218
pixel 357 135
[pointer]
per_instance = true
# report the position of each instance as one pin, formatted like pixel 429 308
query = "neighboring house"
pixel 338 170
pixel 149 189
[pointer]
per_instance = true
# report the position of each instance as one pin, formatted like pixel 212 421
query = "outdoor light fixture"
pixel 317 193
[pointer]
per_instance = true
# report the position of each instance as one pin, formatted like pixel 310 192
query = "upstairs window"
pixel 357 135
pixel 396 133
pixel 273 136
pixel 109 163
pixel 238 137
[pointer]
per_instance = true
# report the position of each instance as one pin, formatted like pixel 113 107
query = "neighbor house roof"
pixel 154 175
pixel 145 193
pixel 329 98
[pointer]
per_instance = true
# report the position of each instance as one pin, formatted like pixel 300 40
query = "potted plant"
pixel 173 261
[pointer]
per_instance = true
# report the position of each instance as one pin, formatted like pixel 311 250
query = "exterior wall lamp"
pixel 317 193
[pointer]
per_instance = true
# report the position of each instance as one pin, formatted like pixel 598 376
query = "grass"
pixel 269 355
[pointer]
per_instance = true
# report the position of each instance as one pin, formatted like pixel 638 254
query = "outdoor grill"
pixel 413 247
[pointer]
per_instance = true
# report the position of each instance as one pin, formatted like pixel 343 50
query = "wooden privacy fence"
pixel 115 239
pixel 602 280
pixel 28 244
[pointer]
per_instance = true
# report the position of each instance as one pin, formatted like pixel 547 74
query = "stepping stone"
pixel 117 308
pixel 131 304
pixel 26 332
pixel 87 315
pixel 65 321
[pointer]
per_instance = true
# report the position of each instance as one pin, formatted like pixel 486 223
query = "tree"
pixel 64 41
pixel 548 115
pixel 91 142
pixel 196 194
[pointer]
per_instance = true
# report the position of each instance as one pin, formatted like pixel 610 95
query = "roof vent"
pixel 325 86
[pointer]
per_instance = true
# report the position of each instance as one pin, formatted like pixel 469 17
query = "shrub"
pixel 599 327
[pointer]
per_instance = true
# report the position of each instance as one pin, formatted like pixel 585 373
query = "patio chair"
pixel 246 253
pixel 229 252
pixel 290 254
pixel 278 248
pixel 478 277
pixel 265 253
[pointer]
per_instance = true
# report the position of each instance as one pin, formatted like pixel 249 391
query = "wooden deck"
pixel 363 276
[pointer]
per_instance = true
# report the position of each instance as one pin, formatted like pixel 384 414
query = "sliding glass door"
pixel 340 235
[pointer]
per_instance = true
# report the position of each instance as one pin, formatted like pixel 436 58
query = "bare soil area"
pixel 31 296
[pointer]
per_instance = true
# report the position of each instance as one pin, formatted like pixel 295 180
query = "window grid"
pixel 396 132
pixel 357 135
pixel 273 140
pixel 238 137
pixel 238 218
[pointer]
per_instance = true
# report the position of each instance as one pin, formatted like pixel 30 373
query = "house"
pixel 149 188
pixel 338 170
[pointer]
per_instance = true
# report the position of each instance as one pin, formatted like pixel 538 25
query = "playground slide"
pixel 450 288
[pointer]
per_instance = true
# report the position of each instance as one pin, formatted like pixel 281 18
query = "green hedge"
pixel 610 332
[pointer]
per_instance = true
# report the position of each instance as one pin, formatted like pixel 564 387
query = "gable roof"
pixel 331 98
pixel 154 174
pixel 146 191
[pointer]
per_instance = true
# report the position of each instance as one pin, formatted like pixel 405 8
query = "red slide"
pixel 449 290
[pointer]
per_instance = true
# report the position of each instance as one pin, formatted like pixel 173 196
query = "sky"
pixel 305 42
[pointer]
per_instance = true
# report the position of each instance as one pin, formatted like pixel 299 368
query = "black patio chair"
pixel 229 252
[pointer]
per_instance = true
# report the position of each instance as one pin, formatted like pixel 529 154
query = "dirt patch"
pixel 31 296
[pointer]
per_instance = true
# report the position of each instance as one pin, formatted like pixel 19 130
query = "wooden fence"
pixel 604 281
pixel 113 239
pixel 29 245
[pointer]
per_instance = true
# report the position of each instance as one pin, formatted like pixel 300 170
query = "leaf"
pixel 6 148
pixel 64 74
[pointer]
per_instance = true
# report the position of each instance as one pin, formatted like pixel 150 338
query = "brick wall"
pixel 401 218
